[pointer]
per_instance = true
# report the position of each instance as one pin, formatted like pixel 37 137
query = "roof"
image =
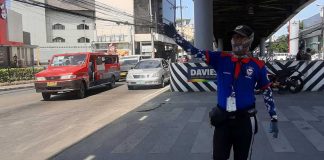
pixel 265 17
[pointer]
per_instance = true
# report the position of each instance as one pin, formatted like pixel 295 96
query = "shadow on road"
pixel 89 93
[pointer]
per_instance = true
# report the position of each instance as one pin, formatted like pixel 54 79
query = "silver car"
pixel 149 72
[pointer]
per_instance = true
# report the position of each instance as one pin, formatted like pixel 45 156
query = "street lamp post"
pixel 322 31
pixel 322 34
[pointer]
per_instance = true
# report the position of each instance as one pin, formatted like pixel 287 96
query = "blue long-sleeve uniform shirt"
pixel 240 75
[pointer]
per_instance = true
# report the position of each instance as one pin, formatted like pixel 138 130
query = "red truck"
pixel 77 72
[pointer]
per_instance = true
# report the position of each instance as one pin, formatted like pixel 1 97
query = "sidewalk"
pixel 16 85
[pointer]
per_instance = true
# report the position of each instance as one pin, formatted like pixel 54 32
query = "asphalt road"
pixel 31 128
pixel 147 124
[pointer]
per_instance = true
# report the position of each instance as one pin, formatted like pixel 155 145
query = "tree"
pixel 280 45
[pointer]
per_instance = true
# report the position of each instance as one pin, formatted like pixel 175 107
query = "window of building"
pixel 83 27
pixel 58 27
pixel 59 40
pixel 83 40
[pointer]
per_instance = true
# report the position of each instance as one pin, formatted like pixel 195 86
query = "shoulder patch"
pixel 260 63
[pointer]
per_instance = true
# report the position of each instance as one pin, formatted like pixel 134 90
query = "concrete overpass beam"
pixel 203 24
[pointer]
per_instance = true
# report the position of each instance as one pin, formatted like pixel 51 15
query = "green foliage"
pixel 280 45
pixel 301 25
pixel 18 74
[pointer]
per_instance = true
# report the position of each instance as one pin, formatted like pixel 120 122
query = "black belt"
pixel 246 112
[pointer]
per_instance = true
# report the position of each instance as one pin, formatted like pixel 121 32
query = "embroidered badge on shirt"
pixel 249 72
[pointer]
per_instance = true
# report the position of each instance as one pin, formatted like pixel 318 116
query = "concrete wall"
pixel 110 28
pixel 33 21
pixel 15 31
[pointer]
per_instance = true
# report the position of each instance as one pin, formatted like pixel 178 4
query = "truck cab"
pixel 77 72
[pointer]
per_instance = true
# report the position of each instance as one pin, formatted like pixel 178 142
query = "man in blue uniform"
pixel 238 75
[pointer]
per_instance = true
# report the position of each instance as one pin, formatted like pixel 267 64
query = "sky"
pixel 308 11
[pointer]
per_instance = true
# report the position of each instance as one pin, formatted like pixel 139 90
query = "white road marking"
pixel 90 157
pixel 144 117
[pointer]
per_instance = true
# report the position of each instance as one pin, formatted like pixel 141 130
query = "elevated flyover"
pixel 264 16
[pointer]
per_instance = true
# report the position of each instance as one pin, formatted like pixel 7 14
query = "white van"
pixel 129 62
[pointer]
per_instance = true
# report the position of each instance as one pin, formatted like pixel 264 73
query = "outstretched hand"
pixel 169 30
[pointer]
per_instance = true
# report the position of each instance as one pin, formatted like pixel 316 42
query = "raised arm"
pixel 171 32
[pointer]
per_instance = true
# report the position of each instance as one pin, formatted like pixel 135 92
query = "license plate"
pixel 140 82
pixel 123 73
pixel 51 84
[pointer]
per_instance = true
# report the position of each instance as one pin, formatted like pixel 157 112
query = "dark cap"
pixel 243 30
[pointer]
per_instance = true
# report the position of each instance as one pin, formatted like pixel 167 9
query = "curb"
pixel 15 88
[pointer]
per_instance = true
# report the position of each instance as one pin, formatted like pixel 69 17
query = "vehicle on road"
pixel 77 72
pixel 129 62
pixel 149 72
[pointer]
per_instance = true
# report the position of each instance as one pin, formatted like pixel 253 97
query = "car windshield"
pixel 68 60
pixel 148 64
pixel 128 62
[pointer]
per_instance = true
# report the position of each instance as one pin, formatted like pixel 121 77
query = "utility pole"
pixel 181 17
pixel 151 28
pixel 320 55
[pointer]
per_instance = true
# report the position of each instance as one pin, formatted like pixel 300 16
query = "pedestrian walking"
pixel 238 75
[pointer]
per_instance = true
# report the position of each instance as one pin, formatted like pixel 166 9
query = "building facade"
pixel 311 35
pixel 149 36
pixel 57 32
pixel 15 45
pixel 113 29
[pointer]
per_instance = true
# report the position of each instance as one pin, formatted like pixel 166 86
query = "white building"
pixel 108 32
pixel 56 32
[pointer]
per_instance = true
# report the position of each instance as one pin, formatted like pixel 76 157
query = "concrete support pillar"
pixel 220 44
pixel 262 46
pixel 203 24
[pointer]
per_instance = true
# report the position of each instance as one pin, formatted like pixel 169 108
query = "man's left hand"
pixel 274 128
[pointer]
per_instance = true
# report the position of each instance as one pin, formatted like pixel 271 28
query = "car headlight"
pixel 129 76
pixel 40 79
pixel 70 76
pixel 155 75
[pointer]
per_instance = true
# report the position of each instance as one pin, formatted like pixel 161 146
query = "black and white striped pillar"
pixel 313 72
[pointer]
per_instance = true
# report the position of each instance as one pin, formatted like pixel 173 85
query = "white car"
pixel 149 72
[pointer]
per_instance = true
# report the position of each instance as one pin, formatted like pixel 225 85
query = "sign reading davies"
pixel 201 74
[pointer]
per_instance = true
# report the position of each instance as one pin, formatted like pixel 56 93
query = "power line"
pixel 104 7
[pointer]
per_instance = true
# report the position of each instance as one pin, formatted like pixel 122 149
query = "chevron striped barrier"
pixel 202 80
pixel 313 72
pixel 183 81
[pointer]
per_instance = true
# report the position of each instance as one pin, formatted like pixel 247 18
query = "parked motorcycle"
pixel 284 80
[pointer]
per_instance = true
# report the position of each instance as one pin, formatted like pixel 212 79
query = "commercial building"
pixel 57 31
pixel 149 34
pixel 311 35
pixel 135 27
pixel 15 45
